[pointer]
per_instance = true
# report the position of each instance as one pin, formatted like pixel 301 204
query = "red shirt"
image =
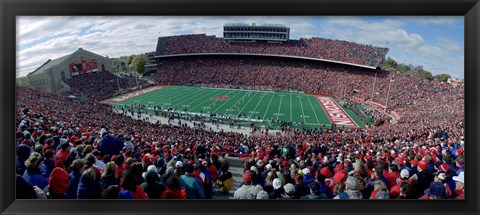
pixel 47 147
pixel 119 170
pixel 174 193
pixel 213 170
pixel 461 194
pixel 395 190
pixel 140 193
pixel 392 178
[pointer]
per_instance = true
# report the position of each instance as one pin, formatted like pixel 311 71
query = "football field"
pixel 250 105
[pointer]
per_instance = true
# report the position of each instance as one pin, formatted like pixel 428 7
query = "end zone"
pixel 335 113
pixel 133 94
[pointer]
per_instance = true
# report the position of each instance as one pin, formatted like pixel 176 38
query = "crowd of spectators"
pixel 103 84
pixel 85 150
pixel 320 48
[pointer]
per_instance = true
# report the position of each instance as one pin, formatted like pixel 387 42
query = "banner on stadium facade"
pixel 83 67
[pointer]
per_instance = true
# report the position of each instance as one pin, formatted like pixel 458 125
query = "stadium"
pixel 251 115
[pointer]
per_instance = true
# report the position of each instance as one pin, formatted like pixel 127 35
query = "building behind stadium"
pixel 49 76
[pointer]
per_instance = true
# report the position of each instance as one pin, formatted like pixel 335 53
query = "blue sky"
pixel 436 43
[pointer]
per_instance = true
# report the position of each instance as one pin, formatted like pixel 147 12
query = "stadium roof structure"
pixel 49 63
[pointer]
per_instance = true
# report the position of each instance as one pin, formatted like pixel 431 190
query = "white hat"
pixel 306 171
pixel 179 164
pixel 262 195
pixel 460 178
pixel 152 167
pixel 289 189
pixel 277 183
pixel 442 176
pixel 269 166
pixel 253 168
pixel 404 174
pixel 254 190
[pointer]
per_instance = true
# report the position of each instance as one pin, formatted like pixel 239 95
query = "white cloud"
pixel 434 20
pixel 447 44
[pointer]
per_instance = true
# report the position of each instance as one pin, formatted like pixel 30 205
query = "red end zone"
pixel 335 113
pixel 134 94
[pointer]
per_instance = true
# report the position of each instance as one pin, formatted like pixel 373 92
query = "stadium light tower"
pixel 388 93
pixel 373 89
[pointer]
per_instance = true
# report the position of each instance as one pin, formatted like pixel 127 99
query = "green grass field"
pixel 258 105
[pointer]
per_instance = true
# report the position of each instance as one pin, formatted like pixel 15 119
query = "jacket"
pixel 174 193
pixel 225 182
pixel 192 186
pixel 152 186
pixel 89 189
pixel 311 196
pixel 73 184
pixel 350 194
pixel 242 192
pixel 108 181
pixel 110 145
pixel 36 178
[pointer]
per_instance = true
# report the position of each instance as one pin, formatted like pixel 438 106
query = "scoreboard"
pixel 83 67
pixel 267 32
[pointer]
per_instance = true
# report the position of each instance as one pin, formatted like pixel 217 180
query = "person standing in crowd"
pixel 62 154
pixel 289 191
pixel 315 192
pixel 152 185
pixel 424 179
pixel 57 184
pixel 191 184
pixel 77 168
pixel 243 191
pixel 109 144
pixel 351 190
pixel 89 187
pixel 459 186
pixel 173 189
pixel 109 176
pixel 225 180
pixel 130 184
pixel 33 174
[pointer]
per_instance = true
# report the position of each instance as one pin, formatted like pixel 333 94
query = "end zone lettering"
pixel 134 94
pixel 335 114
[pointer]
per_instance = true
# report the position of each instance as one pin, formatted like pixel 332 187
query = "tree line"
pixel 418 71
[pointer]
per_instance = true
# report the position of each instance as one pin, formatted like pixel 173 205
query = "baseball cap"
pixel 277 183
pixel 306 171
pixel 404 174
pixel 247 178
pixel 422 165
pixel 289 189
pixel 442 175
pixel 179 164
pixel 459 178
pixel 436 189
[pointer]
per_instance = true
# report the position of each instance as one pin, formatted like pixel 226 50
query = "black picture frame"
pixel 9 9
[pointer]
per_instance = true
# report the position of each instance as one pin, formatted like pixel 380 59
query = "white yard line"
pixel 257 106
pixel 206 94
pixel 316 117
pixel 268 107
pixel 247 103
pixel 301 106
pixel 280 105
pixel 291 113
